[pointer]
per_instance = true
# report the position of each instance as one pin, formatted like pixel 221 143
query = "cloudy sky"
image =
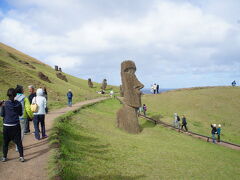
pixel 176 43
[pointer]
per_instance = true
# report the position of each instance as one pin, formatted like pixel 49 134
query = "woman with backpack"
pixel 184 123
pixel 11 110
pixel 39 115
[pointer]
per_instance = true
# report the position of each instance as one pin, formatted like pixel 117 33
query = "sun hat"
pixel 214 125
pixel 219 125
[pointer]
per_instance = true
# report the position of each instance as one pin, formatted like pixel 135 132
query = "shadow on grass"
pixel 111 177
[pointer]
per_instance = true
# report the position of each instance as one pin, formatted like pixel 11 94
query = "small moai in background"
pixel 104 84
pixel 127 118
pixel 121 91
pixel 56 68
pixel 60 69
pixel 90 84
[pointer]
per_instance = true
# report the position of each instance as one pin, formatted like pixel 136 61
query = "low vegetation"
pixel 91 147
pixel 202 107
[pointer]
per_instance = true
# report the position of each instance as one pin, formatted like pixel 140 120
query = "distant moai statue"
pixel 90 84
pixel 127 118
pixel 121 91
pixel 56 68
pixel 60 69
pixel 104 84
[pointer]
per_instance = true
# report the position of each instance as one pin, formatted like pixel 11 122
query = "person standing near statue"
pixel 157 88
pixel 144 109
pixel 154 88
pixel 69 96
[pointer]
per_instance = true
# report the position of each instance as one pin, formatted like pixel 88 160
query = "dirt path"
pixel 36 152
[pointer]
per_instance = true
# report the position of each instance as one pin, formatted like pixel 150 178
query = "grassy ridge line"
pixel 54 167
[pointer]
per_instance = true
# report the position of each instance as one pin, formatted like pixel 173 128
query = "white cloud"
pixel 168 34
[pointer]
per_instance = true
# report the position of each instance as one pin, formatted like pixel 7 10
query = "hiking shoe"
pixel 44 137
pixel 4 159
pixel 21 159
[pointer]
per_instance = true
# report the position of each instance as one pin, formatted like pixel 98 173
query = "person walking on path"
pixel 25 108
pixel 69 96
pixel 157 89
pixel 39 116
pixel 176 122
pixel 184 123
pixel 144 109
pixel 219 132
pixel 11 111
pixel 30 97
pixel 214 131
pixel 234 83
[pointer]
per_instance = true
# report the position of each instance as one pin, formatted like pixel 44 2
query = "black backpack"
pixel 178 118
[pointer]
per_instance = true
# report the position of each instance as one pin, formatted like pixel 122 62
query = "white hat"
pixel 214 125
pixel 219 125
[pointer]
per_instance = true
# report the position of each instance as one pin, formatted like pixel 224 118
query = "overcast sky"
pixel 175 43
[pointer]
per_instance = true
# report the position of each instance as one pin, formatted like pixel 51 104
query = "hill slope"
pixel 202 107
pixel 92 147
pixel 19 68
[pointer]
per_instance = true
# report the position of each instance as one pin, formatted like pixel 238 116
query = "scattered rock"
pixel 43 77
pixel 61 76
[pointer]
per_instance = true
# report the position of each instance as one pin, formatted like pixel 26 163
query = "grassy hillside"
pixel 18 68
pixel 202 107
pixel 91 147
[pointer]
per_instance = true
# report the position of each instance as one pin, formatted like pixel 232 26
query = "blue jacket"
pixel 219 131
pixel 69 95
pixel 11 112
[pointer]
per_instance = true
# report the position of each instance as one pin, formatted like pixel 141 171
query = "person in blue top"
pixel 219 132
pixel 11 111
pixel 69 96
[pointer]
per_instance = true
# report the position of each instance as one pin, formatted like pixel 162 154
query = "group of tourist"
pixel 215 131
pixel 178 124
pixel 17 112
pixel 155 88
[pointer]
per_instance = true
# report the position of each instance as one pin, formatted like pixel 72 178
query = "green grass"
pixel 91 147
pixel 202 107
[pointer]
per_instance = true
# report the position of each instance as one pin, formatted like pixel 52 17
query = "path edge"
pixel 54 168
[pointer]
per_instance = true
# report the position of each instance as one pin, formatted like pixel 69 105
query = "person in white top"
pixel 39 116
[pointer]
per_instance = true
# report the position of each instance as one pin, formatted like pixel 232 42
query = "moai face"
pixel 131 85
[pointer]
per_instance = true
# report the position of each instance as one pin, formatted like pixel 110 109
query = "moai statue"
pixel 56 68
pixel 121 91
pixel 104 84
pixel 90 84
pixel 127 118
pixel 60 69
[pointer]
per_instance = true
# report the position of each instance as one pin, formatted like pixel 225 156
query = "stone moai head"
pixel 90 84
pixel 60 69
pixel 130 84
pixel 104 84
pixel 56 68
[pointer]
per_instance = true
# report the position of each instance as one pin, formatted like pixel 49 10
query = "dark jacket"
pixel 31 96
pixel 214 130
pixel 69 95
pixel 11 112
pixel 184 121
